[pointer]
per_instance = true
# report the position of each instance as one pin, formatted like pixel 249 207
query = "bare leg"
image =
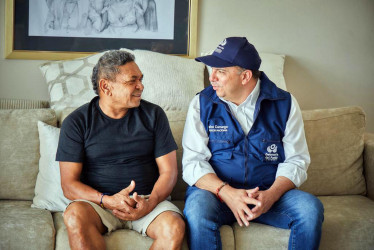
pixel 167 231
pixel 84 227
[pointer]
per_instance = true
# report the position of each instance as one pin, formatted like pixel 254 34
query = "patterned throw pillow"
pixel 170 81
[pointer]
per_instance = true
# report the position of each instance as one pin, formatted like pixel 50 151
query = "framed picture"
pixel 66 29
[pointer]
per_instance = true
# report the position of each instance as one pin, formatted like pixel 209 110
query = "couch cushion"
pixel 335 140
pixel 259 236
pixel 23 227
pixel 19 151
pixel 349 222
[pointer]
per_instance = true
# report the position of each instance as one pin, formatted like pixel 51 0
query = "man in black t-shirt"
pixel 118 161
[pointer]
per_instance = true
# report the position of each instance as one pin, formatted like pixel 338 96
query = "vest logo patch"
pixel 272 154
pixel 218 128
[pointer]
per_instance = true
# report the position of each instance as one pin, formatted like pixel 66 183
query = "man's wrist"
pixel 102 202
pixel 219 189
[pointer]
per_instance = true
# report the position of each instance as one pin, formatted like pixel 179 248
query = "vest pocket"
pixel 270 150
pixel 225 155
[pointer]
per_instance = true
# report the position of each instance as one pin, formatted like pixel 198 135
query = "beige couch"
pixel 341 175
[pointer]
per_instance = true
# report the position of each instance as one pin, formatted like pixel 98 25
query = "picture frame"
pixel 18 45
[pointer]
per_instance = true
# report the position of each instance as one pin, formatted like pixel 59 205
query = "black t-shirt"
pixel 116 151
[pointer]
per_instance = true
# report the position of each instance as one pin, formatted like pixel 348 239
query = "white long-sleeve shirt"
pixel 196 154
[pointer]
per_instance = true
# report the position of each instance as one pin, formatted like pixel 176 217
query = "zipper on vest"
pixel 245 159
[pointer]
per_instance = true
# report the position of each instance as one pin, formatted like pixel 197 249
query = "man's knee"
pixel 312 211
pixel 76 216
pixel 176 230
pixel 316 210
pixel 170 228
pixel 201 211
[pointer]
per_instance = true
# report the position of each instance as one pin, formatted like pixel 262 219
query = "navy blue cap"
pixel 233 51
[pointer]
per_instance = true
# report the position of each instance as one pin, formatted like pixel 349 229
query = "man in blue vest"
pixel 244 154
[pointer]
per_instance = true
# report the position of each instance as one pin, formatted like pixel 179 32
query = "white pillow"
pixel 272 65
pixel 169 81
pixel 48 191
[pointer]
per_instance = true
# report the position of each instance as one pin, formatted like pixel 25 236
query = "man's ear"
pixel 105 87
pixel 246 76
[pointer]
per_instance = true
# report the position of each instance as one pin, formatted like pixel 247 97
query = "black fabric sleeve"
pixel 164 140
pixel 71 141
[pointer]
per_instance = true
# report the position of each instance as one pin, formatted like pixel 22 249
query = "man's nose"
pixel 140 85
pixel 213 77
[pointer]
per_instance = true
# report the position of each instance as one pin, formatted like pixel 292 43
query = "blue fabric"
pixel 296 210
pixel 247 161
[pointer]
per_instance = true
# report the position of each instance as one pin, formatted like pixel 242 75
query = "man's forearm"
pixel 162 188
pixel 77 190
pixel 280 186
pixel 209 182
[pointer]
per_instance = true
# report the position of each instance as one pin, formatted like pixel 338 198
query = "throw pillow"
pixel 272 65
pixel 169 81
pixel 48 191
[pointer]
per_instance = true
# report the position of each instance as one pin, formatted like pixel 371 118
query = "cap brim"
pixel 214 61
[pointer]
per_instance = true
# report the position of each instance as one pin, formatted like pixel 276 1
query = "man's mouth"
pixel 215 86
pixel 137 95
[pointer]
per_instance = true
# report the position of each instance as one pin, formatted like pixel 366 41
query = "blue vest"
pixel 247 161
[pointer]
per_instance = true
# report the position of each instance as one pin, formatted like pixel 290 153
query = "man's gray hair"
pixel 255 73
pixel 107 66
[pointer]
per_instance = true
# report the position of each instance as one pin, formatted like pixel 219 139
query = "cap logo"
pixel 221 46
pixel 223 43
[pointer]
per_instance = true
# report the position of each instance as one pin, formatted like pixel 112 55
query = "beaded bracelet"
pixel 101 200
pixel 219 189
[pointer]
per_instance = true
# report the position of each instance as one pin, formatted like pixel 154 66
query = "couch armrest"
pixel 369 164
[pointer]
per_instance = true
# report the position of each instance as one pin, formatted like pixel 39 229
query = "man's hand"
pixel 121 200
pixel 238 200
pixel 142 208
pixel 266 199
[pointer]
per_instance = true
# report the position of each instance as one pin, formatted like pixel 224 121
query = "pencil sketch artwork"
pixel 145 19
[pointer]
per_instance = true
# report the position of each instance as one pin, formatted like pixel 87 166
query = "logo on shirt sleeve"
pixel 272 154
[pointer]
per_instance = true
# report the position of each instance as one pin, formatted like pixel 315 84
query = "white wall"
pixel 19 78
pixel 328 43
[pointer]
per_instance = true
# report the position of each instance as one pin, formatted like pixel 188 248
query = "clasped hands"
pixel 239 199
pixel 125 207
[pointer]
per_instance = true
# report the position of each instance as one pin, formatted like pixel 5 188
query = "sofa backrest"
pixel 335 140
pixel 19 150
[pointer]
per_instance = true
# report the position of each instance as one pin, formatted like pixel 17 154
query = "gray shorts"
pixel 141 225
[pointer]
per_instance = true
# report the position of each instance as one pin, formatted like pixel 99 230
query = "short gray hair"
pixel 107 66
pixel 255 73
